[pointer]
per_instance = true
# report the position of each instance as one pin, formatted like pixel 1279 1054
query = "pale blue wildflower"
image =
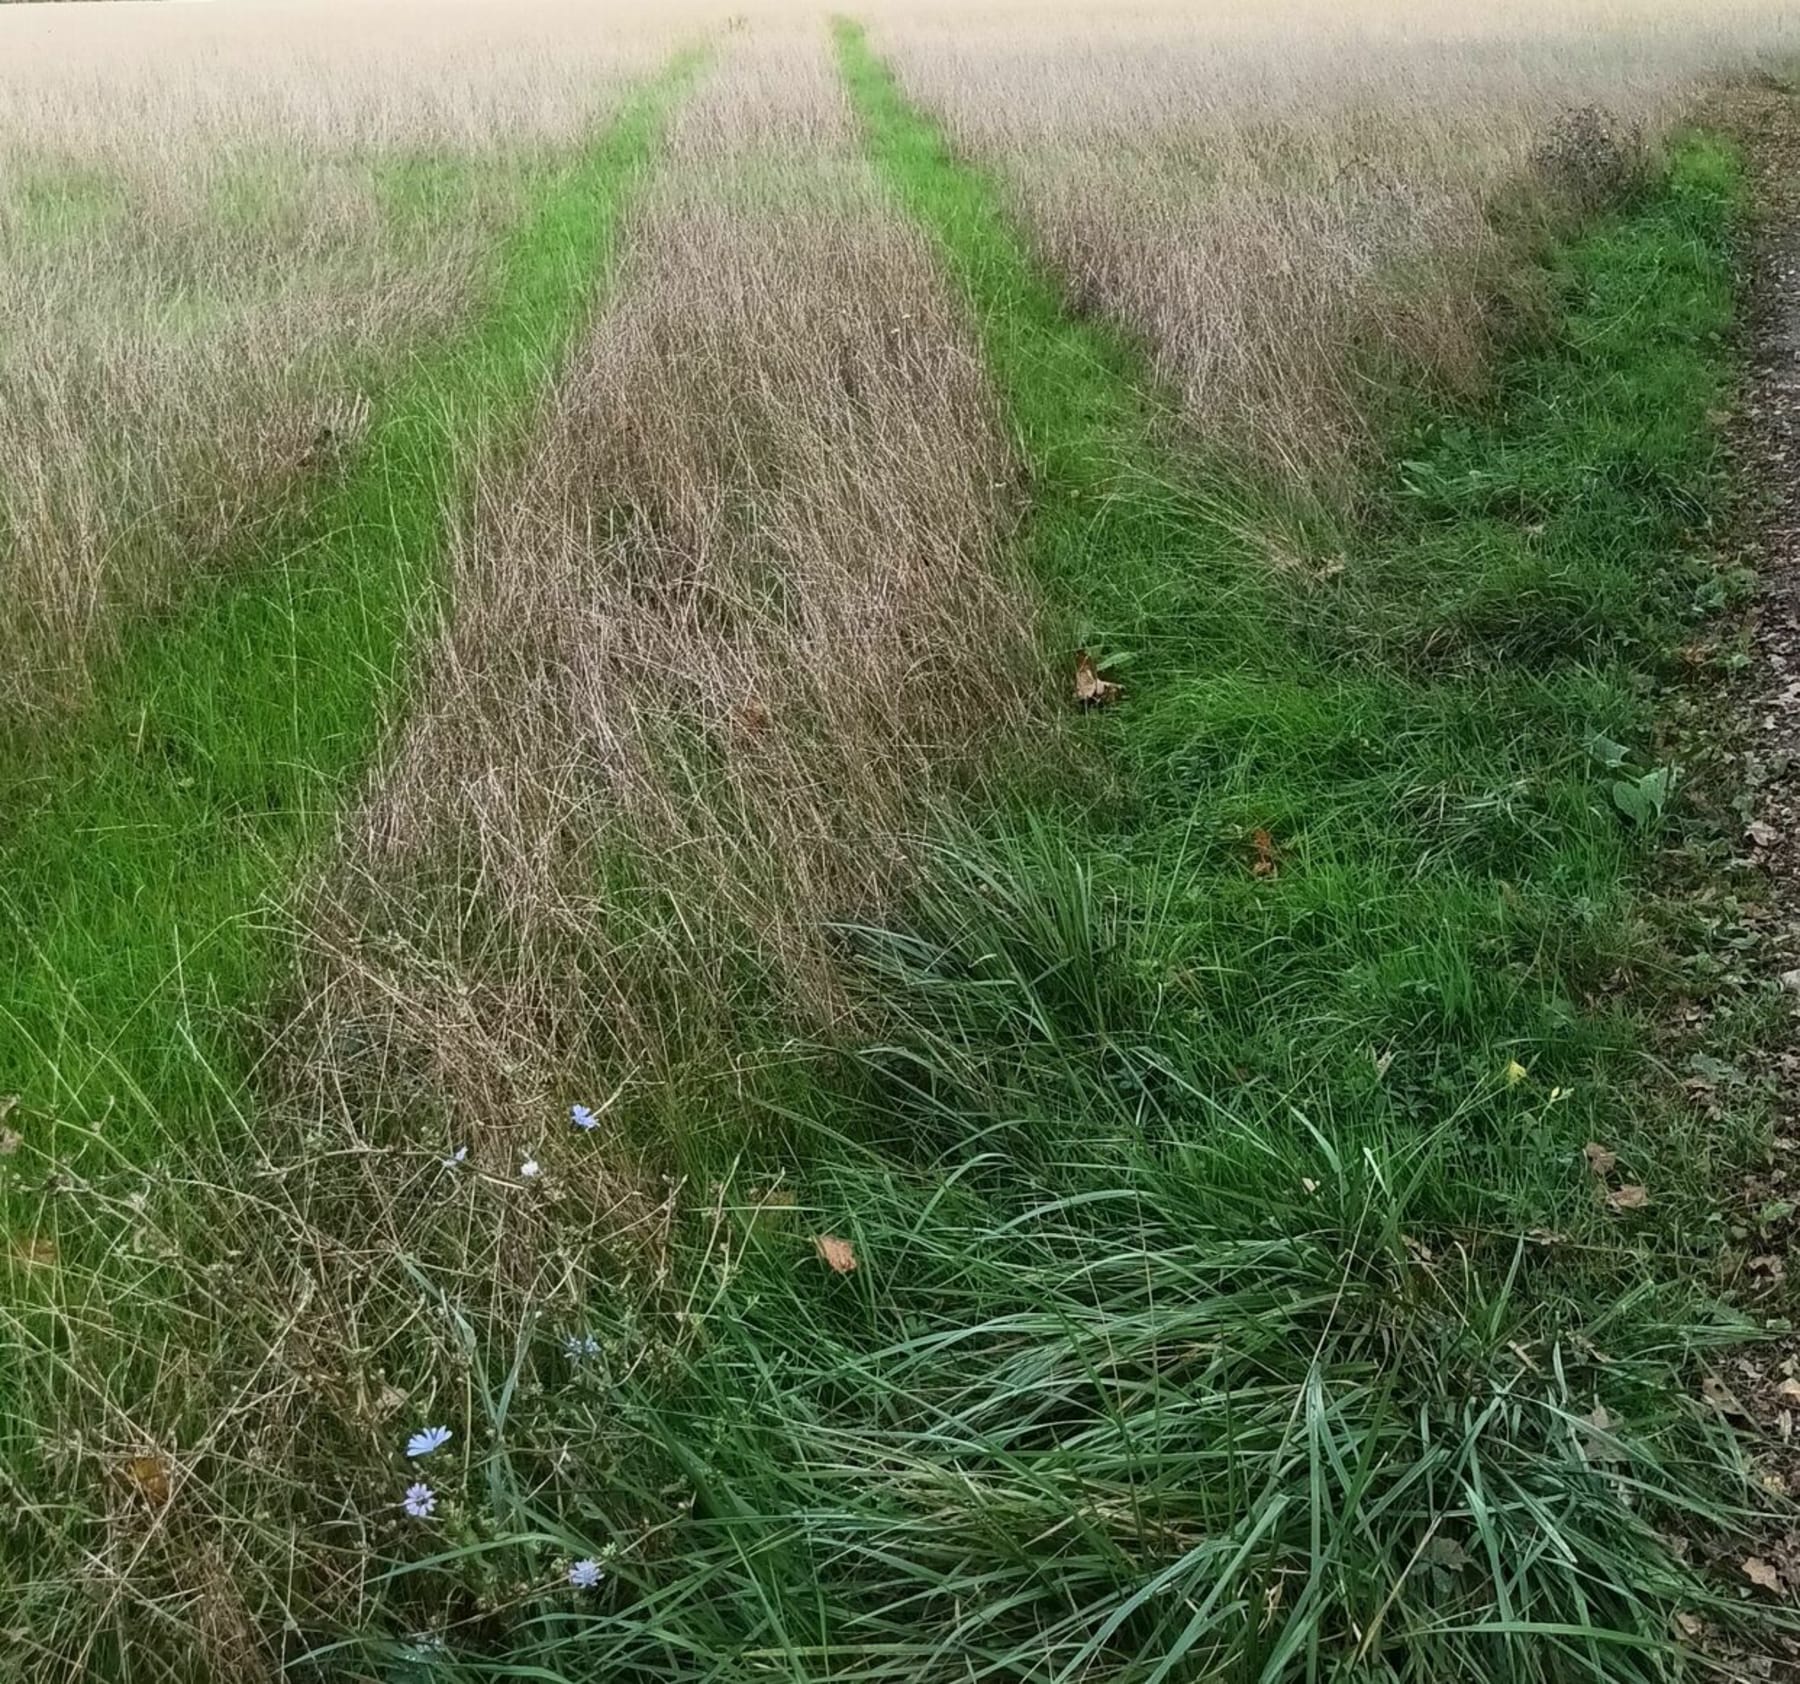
pixel 528 1170
pixel 584 1575
pixel 420 1501
pixel 579 1345
pixel 583 1118
pixel 430 1439
pixel 456 1157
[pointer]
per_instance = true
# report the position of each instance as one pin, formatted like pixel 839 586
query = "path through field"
pixel 145 848
pixel 921 931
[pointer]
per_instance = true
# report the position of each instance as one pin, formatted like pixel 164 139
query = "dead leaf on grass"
pixel 1266 862
pixel 1720 1396
pixel 1599 1159
pixel 1444 1551
pixel 1761 1574
pixel 1630 1197
pixel 10 1141
pixel 1091 690
pixel 1597 1443
pixel 148 1476
pixel 1763 834
pixel 839 1255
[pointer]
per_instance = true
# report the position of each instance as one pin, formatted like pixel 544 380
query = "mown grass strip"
pixel 141 849
pixel 1141 559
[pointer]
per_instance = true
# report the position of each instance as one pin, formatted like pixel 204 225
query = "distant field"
pixel 895 793
pixel 1273 199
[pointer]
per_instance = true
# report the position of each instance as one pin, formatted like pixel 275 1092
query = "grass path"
pixel 1412 718
pixel 1234 1298
pixel 141 851
pixel 1143 563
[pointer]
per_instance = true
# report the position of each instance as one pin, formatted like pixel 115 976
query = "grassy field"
pixel 894 794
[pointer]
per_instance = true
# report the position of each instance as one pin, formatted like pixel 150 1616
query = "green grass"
pixel 147 847
pixel 1414 729
pixel 1229 1307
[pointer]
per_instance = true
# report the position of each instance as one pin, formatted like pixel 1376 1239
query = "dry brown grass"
pixel 465 76
pixel 1283 201
pixel 736 622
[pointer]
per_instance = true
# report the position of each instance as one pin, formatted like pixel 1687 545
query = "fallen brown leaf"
pixel 10 1141
pixel 35 1252
pixel 1599 1159
pixel 839 1255
pixel 1788 1391
pixel 1446 1552
pixel 1630 1197
pixel 1720 1396
pixel 149 1477
pixel 1760 1573
pixel 1266 863
pixel 1763 834
pixel 1091 690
